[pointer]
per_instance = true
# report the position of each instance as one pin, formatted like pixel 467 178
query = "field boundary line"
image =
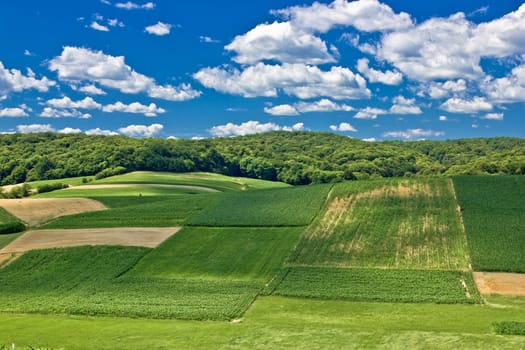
pixel 462 224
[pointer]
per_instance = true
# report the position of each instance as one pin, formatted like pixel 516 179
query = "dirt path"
pixel 126 236
pixel 500 283
pixel 187 187
pixel 35 212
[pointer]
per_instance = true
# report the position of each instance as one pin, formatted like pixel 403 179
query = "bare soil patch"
pixel 126 236
pixel 187 187
pixel 35 212
pixel 500 283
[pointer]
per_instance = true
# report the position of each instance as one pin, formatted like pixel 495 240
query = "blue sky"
pixel 373 70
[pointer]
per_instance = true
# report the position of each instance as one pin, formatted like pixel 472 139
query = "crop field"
pixel 216 181
pixel 121 191
pixel 90 281
pixel 9 223
pixel 385 285
pixel 493 210
pixel 379 263
pixel 141 212
pixel 389 223
pixel 234 253
pixel 281 323
pixel 275 207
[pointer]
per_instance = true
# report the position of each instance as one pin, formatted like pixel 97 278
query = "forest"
pixel 297 158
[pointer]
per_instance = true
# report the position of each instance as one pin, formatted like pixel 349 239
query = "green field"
pixel 216 181
pixel 226 253
pixel 388 223
pixel 139 212
pixel 295 206
pixel 92 281
pixel 362 264
pixel 493 209
pixel 282 323
pixel 9 224
pixel 139 191
pixel 384 285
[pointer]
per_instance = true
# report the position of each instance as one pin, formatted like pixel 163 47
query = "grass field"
pixel 275 207
pixel 282 323
pixel 384 285
pixel 493 210
pixel 5 239
pixel 139 191
pixel 389 223
pixel 216 181
pixel 8 223
pixel 92 281
pixel 226 253
pixel 139 212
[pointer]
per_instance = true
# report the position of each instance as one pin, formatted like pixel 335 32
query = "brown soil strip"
pixel 126 236
pixel 8 258
pixel 500 283
pixel 187 187
pixel 35 212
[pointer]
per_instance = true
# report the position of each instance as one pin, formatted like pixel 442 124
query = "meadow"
pixel 493 209
pixel 282 323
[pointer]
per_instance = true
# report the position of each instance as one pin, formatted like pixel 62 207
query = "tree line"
pixel 296 158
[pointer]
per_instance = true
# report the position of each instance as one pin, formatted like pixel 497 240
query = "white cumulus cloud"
pixel 281 110
pixel 49 112
pixel 76 65
pixel 92 90
pixel 158 29
pixel 66 102
pixel 376 76
pixel 403 105
pixel 150 110
pixel 303 81
pixel 13 80
pixel 134 6
pixel 411 134
pixel 493 116
pixel 343 127
pixel 323 105
pixel 98 131
pixel 459 105
pixel 250 127
pixel 369 113
pixel 34 128
pixel 279 41
pixel 365 15
pixel 141 130
pixel 13 112
pixel 97 26
pixel 69 130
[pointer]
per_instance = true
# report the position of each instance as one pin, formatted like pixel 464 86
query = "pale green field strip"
pixel 216 181
pixel 295 206
pixel 282 323
pixel 221 253
pixel 125 190
pixel 396 223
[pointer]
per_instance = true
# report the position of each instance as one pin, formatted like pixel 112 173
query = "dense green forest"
pixel 293 157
